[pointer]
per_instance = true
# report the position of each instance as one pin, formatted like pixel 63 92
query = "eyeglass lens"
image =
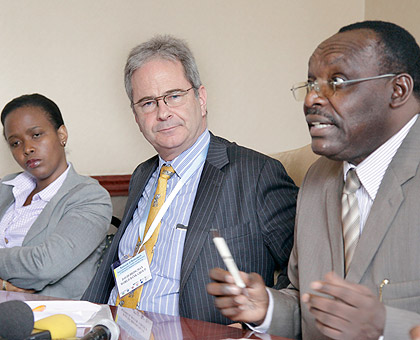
pixel 174 99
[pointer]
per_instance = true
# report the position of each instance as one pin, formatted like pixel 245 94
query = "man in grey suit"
pixel 247 196
pixel 361 103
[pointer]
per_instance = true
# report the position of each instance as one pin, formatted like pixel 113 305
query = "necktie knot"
pixel 352 182
pixel 166 172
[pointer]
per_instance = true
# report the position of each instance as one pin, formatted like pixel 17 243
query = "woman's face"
pixel 35 144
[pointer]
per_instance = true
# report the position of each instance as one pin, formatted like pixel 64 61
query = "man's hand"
pixel 11 288
pixel 353 312
pixel 239 304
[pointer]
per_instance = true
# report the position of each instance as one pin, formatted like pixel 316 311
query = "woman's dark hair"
pixel 398 48
pixel 37 100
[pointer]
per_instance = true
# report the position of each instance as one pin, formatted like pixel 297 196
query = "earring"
pixel 63 143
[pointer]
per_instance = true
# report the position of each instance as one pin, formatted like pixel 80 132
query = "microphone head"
pixel 113 328
pixel 16 320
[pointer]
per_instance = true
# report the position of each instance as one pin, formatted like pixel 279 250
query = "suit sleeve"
pixel 276 209
pixel 286 318
pixel 80 230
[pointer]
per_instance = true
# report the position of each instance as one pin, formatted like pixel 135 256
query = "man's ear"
pixel 202 97
pixel 403 86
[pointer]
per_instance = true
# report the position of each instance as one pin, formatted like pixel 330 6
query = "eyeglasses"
pixel 171 99
pixel 327 88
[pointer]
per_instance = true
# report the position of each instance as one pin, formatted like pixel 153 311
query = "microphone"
pixel 104 330
pixel 16 320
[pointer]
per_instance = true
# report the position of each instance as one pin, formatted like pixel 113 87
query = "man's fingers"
pixel 350 293
pixel 415 333
pixel 331 307
pixel 253 280
pixel 332 316
pixel 220 289
pixel 332 320
pixel 231 301
pixel 329 332
pixel 232 313
pixel 221 275
pixel 225 302
pixel 335 280
pixel 218 274
pixel 347 308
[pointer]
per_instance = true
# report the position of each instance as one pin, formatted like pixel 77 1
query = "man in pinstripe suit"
pixel 247 196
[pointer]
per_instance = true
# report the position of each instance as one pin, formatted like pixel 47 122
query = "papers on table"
pixel 83 313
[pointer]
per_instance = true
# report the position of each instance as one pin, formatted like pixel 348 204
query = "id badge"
pixel 131 274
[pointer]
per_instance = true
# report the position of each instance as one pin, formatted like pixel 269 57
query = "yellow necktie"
pixel 131 300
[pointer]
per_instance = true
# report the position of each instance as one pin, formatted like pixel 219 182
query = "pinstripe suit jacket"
pixel 246 195
pixel 388 247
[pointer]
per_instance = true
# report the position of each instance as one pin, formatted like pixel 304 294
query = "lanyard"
pixel 191 170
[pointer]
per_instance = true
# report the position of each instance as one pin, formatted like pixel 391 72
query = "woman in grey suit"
pixel 52 220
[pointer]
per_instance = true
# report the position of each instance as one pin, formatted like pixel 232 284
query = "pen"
pixel 226 255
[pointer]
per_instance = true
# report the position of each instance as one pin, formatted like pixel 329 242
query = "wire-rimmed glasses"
pixel 327 88
pixel 172 99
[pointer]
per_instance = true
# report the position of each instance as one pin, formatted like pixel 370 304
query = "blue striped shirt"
pixel 161 294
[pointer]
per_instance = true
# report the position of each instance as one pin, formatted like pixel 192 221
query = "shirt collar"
pixel 26 183
pixel 181 163
pixel 372 170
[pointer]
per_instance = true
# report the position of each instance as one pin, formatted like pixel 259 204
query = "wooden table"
pixel 165 327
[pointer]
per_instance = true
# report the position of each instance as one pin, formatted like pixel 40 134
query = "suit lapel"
pixel 42 222
pixel 379 220
pixel 334 189
pixel 138 182
pixel 6 191
pixel 388 200
pixel 204 206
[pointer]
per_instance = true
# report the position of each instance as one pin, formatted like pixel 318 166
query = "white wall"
pixel 249 53
pixel 404 13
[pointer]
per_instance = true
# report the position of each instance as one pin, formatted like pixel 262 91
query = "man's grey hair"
pixel 165 47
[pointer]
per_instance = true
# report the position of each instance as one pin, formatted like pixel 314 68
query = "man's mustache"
pixel 318 112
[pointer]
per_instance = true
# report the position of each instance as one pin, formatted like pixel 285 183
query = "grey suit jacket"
pixel 60 252
pixel 248 196
pixel 388 247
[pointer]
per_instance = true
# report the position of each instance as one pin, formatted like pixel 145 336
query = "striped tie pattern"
pixel 131 300
pixel 350 216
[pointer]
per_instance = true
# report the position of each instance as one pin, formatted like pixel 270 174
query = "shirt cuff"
pixel 263 328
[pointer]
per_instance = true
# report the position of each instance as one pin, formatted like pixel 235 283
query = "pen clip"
pixel 381 286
